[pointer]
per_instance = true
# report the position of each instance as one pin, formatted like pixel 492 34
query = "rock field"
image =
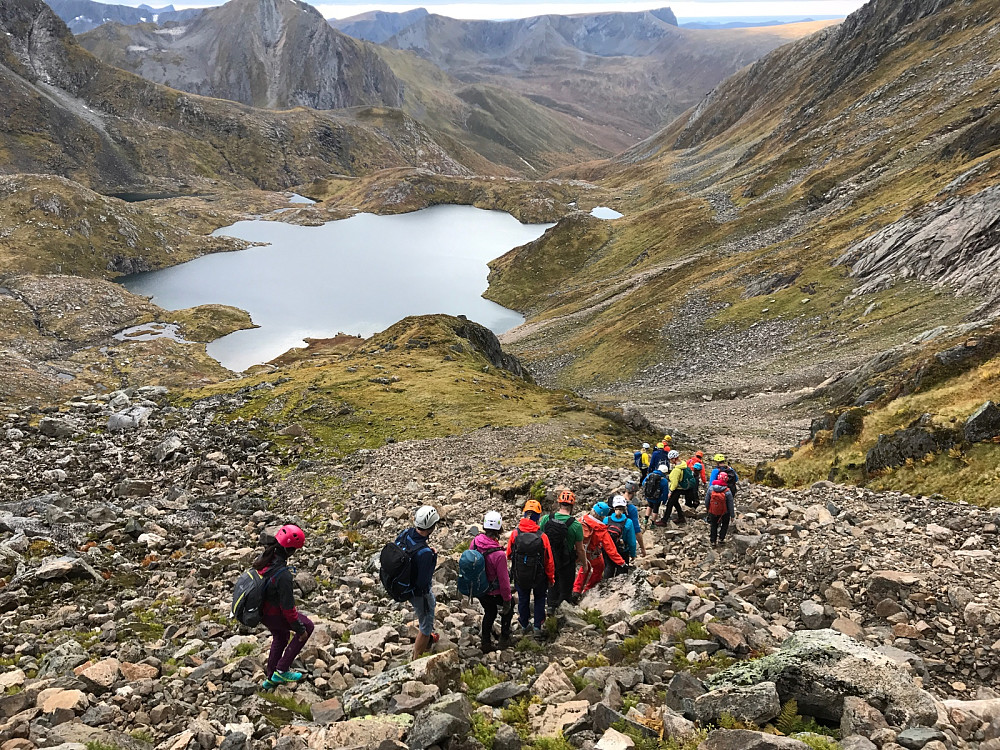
pixel 126 518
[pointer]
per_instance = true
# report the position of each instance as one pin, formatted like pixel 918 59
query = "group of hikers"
pixel 547 559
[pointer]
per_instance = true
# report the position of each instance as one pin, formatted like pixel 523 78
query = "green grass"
pixel 694 630
pixel 143 736
pixel 528 645
pixel 595 618
pixel 715 662
pixel 549 743
pixel 288 703
pixel 479 678
pixel 632 645
pixel 592 660
pixel 516 715
pixel 484 730
pixel 244 649
pixel 98 745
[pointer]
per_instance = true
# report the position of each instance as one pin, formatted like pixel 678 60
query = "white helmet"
pixel 673 455
pixel 493 521
pixel 425 517
pixel 619 501
pixel 645 446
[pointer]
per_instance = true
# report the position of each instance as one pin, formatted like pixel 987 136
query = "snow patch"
pixel 603 212
pixel 174 31
pixel 136 48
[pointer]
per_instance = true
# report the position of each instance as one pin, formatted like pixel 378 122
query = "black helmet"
pixel 631 486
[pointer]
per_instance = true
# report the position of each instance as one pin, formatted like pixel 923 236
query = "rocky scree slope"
pixel 66 113
pixel 736 216
pixel 125 519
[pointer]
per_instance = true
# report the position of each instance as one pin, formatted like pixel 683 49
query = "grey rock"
pixel 743 739
pixel 915 738
pixel 913 442
pixel 812 614
pixel 56 427
pixel 131 418
pixel 857 742
pixel 167 447
pixel 860 718
pixel 984 424
pixel 753 703
pixel 849 424
pixel 506 738
pixel 499 694
pixel 62 659
pixel 431 727
pixel 682 689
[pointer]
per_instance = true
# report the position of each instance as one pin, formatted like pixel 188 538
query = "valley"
pixel 260 268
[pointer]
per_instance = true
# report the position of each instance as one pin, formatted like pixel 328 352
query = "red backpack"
pixel 717 505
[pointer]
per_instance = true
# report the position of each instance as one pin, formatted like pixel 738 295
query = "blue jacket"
pixel 733 476
pixel 659 457
pixel 424 561
pixel 628 535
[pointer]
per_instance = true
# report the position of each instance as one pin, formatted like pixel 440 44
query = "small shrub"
pixel 98 745
pixel 595 618
pixel 537 491
pixel 529 645
pixel 550 743
pixel 690 743
pixel 288 703
pixel 629 701
pixel 479 678
pixel 516 715
pixel 632 645
pixel 244 649
pixel 484 730
pixel 817 741
pixel 593 660
pixel 345 637
pixel 695 630
pixel 578 682
pixel 143 736
pixel 728 721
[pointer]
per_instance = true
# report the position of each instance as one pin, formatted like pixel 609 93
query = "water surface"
pixel 357 276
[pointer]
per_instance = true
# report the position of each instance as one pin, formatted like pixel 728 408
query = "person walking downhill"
pixel 722 465
pixel 697 464
pixel 597 542
pixel 290 629
pixel 414 541
pixel 641 460
pixel 656 489
pixel 529 551
pixel 565 537
pixel 498 598
pixel 633 513
pixel 673 500
pixel 622 533
pixel 721 508
pixel 658 458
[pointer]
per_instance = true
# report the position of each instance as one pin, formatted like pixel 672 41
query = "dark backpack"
pixel 248 595
pixel 396 570
pixel 558 534
pixel 616 530
pixel 687 479
pixel 717 505
pixel 731 479
pixel 652 488
pixel 529 558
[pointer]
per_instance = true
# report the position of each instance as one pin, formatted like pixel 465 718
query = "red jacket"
pixel 596 537
pixel 694 460
pixel 528 525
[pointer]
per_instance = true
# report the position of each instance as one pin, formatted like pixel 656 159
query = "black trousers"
pixel 563 588
pixel 720 526
pixel 673 502
pixel 492 606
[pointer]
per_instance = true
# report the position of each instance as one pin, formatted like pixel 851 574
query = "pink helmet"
pixel 721 478
pixel 290 536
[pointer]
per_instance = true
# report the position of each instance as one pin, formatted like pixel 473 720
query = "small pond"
pixel 357 276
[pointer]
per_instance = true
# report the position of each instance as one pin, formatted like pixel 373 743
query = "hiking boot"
pixel 527 630
pixel 505 640
pixel 285 677
pixel 538 634
pixel 268 685
pixel 487 646
pixel 575 597
pixel 660 522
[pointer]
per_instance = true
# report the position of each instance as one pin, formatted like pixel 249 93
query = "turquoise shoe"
pixel 284 677
pixel 268 685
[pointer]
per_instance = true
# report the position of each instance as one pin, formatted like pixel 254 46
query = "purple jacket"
pixel 496 565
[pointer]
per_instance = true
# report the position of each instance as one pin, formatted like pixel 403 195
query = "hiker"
pixel 497 598
pixel 721 507
pixel 659 456
pixel 641 460
pixel 722 465
pixel 565 537
pixel 278 612
pixel 697 465
pixel 655 490
pixel 414 543
pixel 622 533
pixel 597 542
pixel 633 513
pixel 682 482
pixel 533 568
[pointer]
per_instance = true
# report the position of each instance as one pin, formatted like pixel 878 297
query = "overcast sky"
pixel 515 9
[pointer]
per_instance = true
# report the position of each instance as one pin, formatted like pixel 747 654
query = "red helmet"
pixel 290 536
pixel 722 478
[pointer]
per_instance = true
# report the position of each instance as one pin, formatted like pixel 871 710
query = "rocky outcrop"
pixel 912 443
pixel 954 244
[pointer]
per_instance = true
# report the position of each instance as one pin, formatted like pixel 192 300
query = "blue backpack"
pixel 472 580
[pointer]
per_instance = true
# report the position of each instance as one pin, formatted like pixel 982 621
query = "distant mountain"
pixel 377 26
pixel 84 15
pixel 738 24
pixel 622 76
pixel 266 53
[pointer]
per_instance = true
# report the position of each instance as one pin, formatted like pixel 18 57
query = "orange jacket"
pixel 528 525
pixel 597 538
pixel 695 460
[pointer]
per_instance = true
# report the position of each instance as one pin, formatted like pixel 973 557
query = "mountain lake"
pixel 357 276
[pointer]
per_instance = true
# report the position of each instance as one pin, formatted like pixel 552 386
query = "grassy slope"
pixel 438 386
pixel 855 162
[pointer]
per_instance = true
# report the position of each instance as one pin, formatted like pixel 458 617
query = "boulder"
pixel 101 676
pixel 498 695
pixel 614 740
pixel 890 584
pixel 915 738
pixel 167 447
pixel 860 718
pixel 413 697
pixel 913 442
pixel 367 731
pixel 51 700
pixel 53 568
pixel 552 685
pixel 751 703
pixel 812 614
pixel 682 689
pixel 550 720
pixel 819 668
pixel 984 424
pixel 373 639
pixel 744 739
pixel 327 712
pixel 131 418
pixel 62 660
pixel 373 694
pixel 431 727
pixel 849 424
pixel 506 738
pixel 857 742
pixel 56 427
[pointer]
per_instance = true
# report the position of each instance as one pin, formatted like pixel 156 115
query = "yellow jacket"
pixel 676 475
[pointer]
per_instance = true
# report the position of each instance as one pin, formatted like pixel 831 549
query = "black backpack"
pixel 558 534
pixel 529 558
pixel 396 570
pixel 652 489
pixel 616 529
pixel 248 595
pixel 731 480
